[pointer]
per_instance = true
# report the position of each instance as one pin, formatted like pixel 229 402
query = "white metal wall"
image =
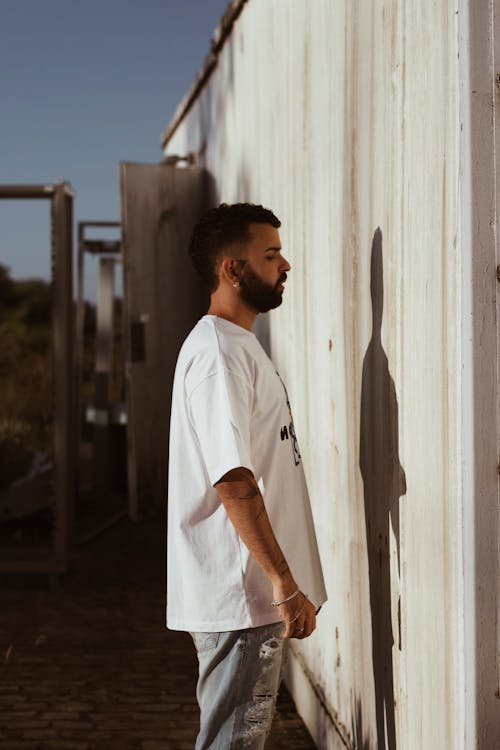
pixel 343 117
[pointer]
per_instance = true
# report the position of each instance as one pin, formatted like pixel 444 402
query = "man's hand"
pixel 298 614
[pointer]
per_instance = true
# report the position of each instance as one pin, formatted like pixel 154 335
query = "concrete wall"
pixel 347 119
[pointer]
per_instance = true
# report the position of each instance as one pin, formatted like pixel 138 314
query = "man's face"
pixel 264 272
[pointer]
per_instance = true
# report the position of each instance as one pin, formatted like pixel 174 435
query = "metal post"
pixel 62 322
pixel 79 353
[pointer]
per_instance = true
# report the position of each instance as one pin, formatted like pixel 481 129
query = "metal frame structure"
pixel 105 249
pixel 60 196
pixel 94 247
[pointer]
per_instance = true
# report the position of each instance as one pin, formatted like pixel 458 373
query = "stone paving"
pixel 90 666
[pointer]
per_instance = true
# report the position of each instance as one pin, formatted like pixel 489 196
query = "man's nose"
pixel 286 265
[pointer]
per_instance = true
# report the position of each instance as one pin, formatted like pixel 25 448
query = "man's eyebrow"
pixel 272 249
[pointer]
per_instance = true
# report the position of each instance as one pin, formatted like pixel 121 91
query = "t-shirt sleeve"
pixel 219 410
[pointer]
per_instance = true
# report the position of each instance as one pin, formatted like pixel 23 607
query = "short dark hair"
pixel 219 229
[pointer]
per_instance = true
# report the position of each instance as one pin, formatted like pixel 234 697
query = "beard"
pixel 258 294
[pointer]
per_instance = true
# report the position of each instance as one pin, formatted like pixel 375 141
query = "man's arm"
pixel 241 497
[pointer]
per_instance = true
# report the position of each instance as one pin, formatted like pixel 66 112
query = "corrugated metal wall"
pixel 343 117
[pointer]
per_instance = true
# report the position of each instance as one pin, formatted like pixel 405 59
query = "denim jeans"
pixel 239 676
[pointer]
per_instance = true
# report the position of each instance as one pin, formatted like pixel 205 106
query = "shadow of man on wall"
pixel 384 482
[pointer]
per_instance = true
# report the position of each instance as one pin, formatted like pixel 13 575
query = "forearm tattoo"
pixel 253 489
pixel 282 567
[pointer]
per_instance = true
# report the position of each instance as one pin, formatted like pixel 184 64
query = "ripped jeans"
pixel 240 673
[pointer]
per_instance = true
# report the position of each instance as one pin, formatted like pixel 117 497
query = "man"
pixel 244 572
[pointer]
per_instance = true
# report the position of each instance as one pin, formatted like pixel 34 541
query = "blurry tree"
pixel 26 384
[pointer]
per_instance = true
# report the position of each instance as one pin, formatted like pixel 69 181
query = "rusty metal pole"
pixel 63 332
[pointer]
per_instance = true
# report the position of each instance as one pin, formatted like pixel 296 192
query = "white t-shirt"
pixel 229 409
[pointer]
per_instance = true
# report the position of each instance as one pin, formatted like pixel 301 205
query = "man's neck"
pixel 242 316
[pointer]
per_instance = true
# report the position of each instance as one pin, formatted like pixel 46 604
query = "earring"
pixel 235 284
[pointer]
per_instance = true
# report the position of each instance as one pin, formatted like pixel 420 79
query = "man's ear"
pixel 229 271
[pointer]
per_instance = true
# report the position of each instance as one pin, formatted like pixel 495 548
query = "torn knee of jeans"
pixel 270 647
pixel 259 715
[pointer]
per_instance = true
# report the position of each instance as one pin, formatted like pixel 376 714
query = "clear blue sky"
pixel 85 85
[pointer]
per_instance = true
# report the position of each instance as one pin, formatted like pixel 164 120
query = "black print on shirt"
pixel 287 432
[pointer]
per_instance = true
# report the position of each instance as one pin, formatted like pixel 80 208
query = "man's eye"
pixel 269 257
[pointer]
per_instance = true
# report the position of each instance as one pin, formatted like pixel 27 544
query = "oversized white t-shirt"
pixel 230 408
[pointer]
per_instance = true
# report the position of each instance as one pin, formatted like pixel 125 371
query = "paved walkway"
pixel 91 666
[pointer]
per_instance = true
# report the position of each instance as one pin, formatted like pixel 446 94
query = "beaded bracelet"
pixel 277 604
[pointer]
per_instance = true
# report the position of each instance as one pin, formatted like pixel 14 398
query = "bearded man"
pixel 242 549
